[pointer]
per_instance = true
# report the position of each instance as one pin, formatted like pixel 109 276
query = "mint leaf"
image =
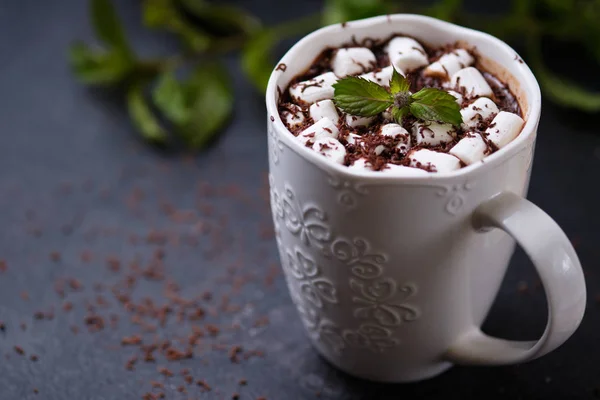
pixel 197 107
pixel 97 67
pixel 398 83
pixel 170 98
pixel 108 27
pixel 431 104
pixel 447 9
pixel 209 96
pixel 221 18
pixel 567 93
pixel 257 61
pixel 560 90
pixel 358 96
pixel 400 113
pixel 166 14
pixel 142 117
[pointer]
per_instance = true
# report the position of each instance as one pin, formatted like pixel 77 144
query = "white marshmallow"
pixel 459 97
pixel 406 54
pixel 324 128
pixel 293 116
pixel 315 89
pixel 473 83
pixel 393 130
pixel 397 132
pixel 400 170
pixel 324 109
pixel 354 121
pixel 470 149
pixel 449 64
pixel 379 149
pixel 352 61
pixel 330 148
pixel 434 161
pixel 387 115
pixel 480 109
pixel 361 165
pixel 353 138
pixel 433 133
pixel 381 77
pixel 504 128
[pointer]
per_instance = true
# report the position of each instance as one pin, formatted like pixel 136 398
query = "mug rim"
pixel 527 81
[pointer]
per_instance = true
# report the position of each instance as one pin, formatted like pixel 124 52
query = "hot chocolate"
pixel 408 145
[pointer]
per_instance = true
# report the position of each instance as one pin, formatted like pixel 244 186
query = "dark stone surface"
pixel 70 165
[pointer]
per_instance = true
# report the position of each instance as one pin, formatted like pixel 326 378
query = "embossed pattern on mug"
pixel 379 303
pixel 348 192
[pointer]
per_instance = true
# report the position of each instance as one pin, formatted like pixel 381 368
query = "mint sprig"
pixel 358 96
pixel 431 104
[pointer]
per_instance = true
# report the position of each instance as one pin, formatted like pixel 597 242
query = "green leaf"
pixel 431 104
pixel 560 6
pixel 158 13
pixel 257 60
pixel 337 11
pixel 210 99
pixel 108 26
pixel 561 91
pixel 169 97
pixel 566 93
pixel 165 14
pixel 445 9
pixel 141 115
pixel 98 67
pixel 398 83
pixel 358 96
pixel 399 113
pixel 222 18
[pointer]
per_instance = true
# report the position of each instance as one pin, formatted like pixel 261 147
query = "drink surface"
pixel 490 114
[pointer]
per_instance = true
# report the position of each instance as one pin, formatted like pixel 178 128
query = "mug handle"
pixel 559 269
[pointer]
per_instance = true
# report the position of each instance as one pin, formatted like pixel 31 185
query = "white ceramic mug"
pixel 393 276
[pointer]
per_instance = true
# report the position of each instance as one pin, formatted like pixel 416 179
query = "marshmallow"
pixel 330 148
pixel 397 132
pixel 387 115
pixel 406 54
pixel 433 161
pixel 433 133
pixel 354 121
pixel 459 97
pixel 400 170
pixel 315 89
pixel 449 64
pixel 353 138
pixel 323 109
pixel 473 83
pixel 352 61
pixel 381 77
pixel 293 116
pixel 470 149
pixel 324 128
pixel 479 110
pixel 504 128
pixel 361 165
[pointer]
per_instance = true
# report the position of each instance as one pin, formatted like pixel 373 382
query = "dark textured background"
pixel 71 177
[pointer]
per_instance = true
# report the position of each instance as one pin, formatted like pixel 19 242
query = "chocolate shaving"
pixel 370 144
